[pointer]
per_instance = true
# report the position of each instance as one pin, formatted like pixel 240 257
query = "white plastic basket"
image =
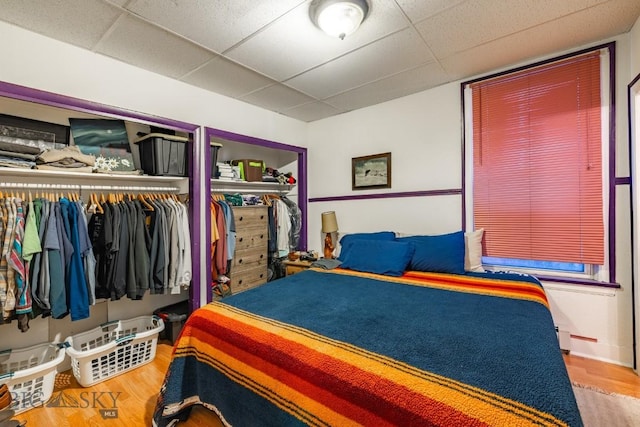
pixel 30 374
pixel 113 348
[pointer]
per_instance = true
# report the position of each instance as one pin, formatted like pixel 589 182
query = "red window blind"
pixel 537 162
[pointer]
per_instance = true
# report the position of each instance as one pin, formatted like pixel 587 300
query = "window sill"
pixel 576 281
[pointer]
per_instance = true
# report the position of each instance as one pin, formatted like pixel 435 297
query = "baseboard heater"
pixel 564 339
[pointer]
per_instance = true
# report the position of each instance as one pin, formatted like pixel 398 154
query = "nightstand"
pixel 293 267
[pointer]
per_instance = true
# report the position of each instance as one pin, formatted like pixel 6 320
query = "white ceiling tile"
pixel 401 84
pixel 119 3
pixel 141 44
pixel 277 97
pixel 312 111
pixel 214 24
pixel 227 78
pixel 292 44
pixel 391 55
pixel 417 10
pixel 62 20
pixel 546 39
pixel 475 22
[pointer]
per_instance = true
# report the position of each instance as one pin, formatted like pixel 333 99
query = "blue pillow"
pixel 346 241
pixel 442 253
pixel 378 256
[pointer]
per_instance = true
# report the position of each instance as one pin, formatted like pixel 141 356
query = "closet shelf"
pixel 82 179
pixel 223 186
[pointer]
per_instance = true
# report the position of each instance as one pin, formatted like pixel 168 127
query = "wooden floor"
pixel 135 394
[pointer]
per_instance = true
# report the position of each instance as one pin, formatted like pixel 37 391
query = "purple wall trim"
pixel 575 281
pixel 612 161
pixel 24 93
pixel 613 181
pixel 388 195
pixel 623 180
pixel 301 183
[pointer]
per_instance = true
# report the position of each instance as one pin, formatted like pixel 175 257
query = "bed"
pixel 342 347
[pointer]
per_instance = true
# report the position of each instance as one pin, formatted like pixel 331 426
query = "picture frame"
pixel 107 140
pixel 33 133
pixel 371 172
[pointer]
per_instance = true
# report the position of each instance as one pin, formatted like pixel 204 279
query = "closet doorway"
pixel 283 157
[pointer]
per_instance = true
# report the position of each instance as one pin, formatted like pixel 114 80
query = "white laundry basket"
pixel 113 348
pixel 30 374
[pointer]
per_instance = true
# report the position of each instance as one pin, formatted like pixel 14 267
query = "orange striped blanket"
pixel 339 348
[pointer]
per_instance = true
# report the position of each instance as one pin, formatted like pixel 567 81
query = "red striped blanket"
pixel 263 367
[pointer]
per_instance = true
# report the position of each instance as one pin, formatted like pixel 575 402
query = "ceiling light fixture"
pixel 338 18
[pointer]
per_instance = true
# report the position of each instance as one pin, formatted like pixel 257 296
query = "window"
pixel 537 166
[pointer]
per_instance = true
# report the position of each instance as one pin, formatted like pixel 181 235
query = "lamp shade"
pixel 329 222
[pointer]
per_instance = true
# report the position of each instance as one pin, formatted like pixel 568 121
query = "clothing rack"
pixel 81 187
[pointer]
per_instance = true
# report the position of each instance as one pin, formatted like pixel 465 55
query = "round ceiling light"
pixel 338 18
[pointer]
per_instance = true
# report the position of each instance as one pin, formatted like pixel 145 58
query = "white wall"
pixel 423 133
pixel 39 62
pixel 34 61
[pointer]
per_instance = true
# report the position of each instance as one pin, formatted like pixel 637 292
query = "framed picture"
pixel 32 133
pixel 370 172
pixel 107 140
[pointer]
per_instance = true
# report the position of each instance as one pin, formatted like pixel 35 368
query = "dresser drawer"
pixel 253 237
pixel 249 216
pixel 241 280
pixel 252 257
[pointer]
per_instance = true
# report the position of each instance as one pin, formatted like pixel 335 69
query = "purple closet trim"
pixel 388 195
pixel 301 184
pixel 55 100
pixel 24 93
pixel 207 210
pixel 195 202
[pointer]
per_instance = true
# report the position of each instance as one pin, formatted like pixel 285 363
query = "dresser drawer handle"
pixel 240 239
pixel 262 236
pixel 240 282
pixel 240 261
pixel 261 256
pixel 261 275
pixel 241 218
pixel 261 216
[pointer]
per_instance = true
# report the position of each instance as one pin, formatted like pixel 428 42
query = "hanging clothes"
pixel 57 258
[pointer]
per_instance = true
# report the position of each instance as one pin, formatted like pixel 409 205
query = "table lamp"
pixel 330 230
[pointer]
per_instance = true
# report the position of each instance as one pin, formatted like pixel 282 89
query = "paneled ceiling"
pixel 268 53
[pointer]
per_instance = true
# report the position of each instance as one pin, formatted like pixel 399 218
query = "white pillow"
pixel 473 251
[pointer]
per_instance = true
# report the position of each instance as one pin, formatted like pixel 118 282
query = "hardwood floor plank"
pixel 135 394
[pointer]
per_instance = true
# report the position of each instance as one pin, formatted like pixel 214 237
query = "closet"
pixel 256 257
pixel 86 189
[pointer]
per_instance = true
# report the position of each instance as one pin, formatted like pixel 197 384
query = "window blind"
pixel 537 162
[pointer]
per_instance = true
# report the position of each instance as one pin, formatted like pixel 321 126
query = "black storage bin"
pixel 215 147
pixel 163 155
pixel 174 317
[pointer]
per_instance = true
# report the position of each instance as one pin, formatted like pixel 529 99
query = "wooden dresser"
pixel 249 266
